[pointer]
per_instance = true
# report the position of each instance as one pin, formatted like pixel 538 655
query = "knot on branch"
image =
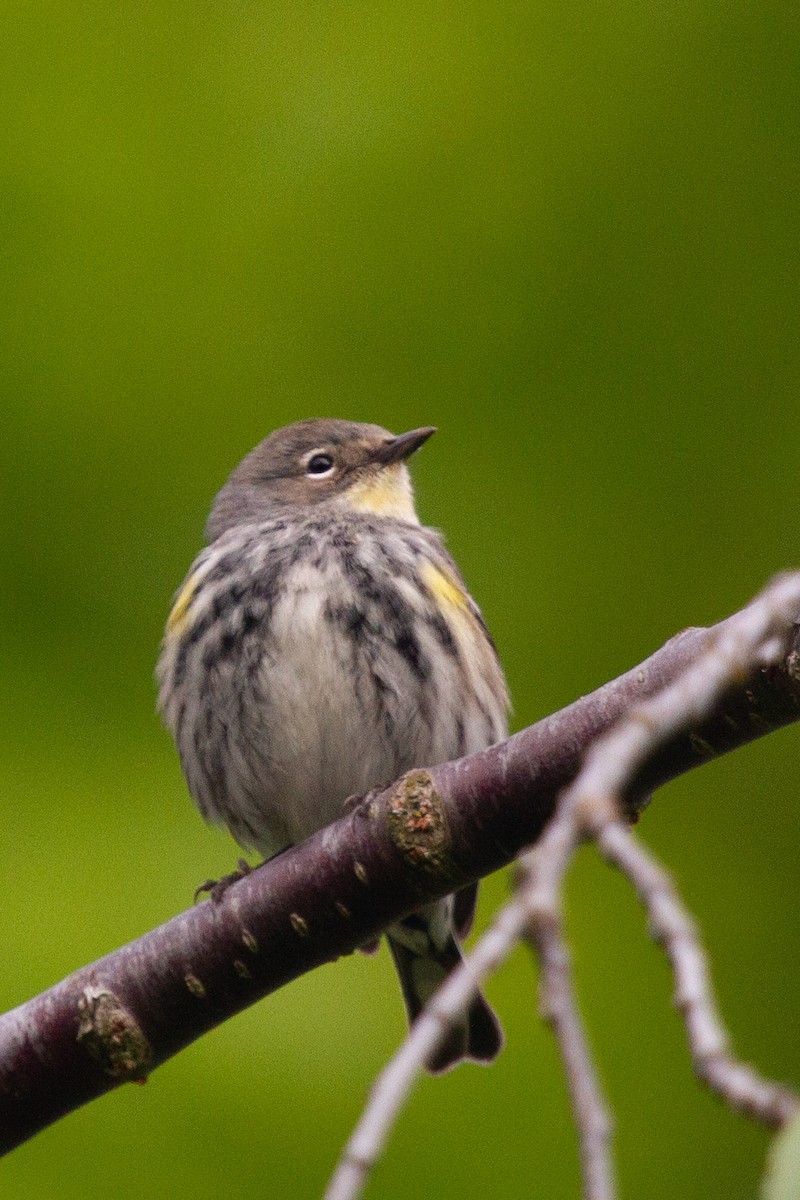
pixel 113 1036
pixel 417 823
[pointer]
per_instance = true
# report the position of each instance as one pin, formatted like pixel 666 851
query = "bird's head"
pixel 342 463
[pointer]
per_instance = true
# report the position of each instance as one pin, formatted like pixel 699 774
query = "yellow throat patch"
pixel 386 494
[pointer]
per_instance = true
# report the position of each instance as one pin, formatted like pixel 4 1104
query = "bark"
pixel 429 833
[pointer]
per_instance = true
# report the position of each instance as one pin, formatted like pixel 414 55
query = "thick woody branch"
pixel 430 833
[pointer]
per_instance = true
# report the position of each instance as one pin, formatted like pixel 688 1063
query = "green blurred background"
pixel 567 235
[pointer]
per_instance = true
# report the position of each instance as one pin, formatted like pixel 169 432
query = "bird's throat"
pixel 387 493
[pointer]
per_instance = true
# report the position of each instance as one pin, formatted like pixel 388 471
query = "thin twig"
pixel 672 927
pixel 754 636
pixel 394 1084
pixel 590 808
pixel 559 1008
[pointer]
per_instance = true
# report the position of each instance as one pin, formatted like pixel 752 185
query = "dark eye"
pixel 319 464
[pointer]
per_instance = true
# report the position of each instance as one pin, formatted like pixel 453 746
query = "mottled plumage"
pixel 321 645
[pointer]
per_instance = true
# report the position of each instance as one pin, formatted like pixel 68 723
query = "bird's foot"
pixel 216 888
pixel 361 802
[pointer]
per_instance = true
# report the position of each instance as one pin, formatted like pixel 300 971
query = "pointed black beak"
pixel 403 446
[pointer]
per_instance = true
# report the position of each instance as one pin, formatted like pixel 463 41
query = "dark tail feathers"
pixel 479 1038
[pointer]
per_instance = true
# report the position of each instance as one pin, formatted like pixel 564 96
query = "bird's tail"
pixel 425 951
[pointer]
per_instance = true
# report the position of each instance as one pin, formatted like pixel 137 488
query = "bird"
pixel 322 644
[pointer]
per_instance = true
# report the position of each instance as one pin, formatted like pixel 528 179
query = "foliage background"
pixel 567 235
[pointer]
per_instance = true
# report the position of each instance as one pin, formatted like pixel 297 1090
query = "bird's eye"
pixel 319 465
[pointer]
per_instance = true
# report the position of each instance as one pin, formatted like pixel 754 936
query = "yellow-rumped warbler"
pixel 322 644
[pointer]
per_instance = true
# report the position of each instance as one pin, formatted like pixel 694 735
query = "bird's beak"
pixel 402 446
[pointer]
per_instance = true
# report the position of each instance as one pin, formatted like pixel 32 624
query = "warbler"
pixel 322 644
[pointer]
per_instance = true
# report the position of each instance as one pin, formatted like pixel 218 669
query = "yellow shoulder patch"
pixel 178 619
pixel 444 587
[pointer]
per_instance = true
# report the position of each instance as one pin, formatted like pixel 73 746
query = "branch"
pixel 393 1086
pixel 594 807
pixel 741 1087
pixel 559 1007
pixel 429 833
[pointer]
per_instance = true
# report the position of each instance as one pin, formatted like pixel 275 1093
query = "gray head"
pixel 360 467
